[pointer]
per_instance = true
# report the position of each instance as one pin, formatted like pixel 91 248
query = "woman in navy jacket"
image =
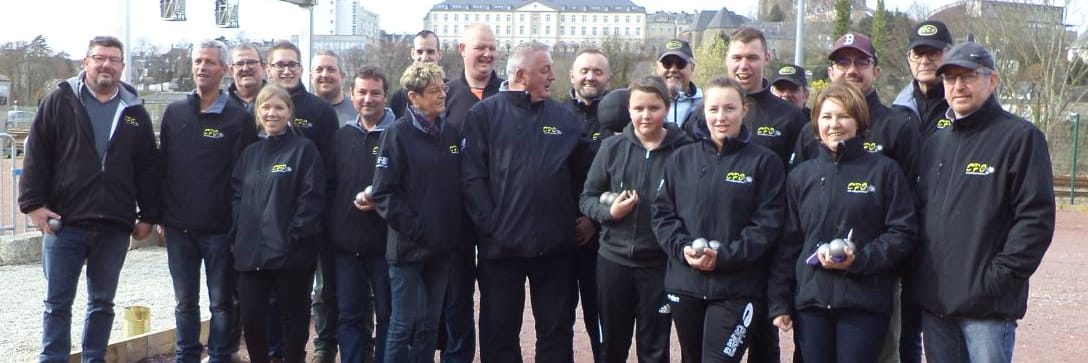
pixel 843 302
pixel 417 190
pixel 279 195
pixel 725 189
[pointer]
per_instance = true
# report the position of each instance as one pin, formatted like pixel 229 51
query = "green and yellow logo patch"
pixel 551 130
pixel 596 136
pixel 872 147
pixel 374 150
pixel 454 149
pixel 131 121
pixel 787 71
pixel 859 187
pixel 213 133
pixel 301 122
pixel 767 131
pixel 927 30
pixel 673 45
pixel 737 177
pixel 943 123
pixel 281 168
pixel 977 168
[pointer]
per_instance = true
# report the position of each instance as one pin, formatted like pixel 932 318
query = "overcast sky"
pixel 68 24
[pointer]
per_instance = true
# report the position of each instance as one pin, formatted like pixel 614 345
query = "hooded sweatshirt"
pixel 623 163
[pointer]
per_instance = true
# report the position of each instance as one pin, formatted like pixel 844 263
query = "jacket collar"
pixel 216 108
pixel 518 98
pixel 673 135
pixel 591 107
pixel 731 144
pixel 978 119
pixel 388 118
pixel 126 92
pixel 850 149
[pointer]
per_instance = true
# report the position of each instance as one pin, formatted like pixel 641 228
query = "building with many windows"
pixel 553 22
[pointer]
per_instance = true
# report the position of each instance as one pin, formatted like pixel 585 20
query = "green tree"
pixel 842 17
pixel 776 15
pixel 879 30
pixel 710 59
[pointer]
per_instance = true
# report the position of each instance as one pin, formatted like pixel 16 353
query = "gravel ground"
pixel 145 281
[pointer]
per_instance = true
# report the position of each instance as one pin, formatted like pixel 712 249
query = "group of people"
pixel 727 211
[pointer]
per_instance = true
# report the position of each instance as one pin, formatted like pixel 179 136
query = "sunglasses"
pixel 669 62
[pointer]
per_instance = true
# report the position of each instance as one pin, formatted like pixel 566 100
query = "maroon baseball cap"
pixel 856 41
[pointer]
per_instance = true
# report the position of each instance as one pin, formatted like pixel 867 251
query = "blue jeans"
pixel 103 247
pixel 460 322
pixel 840 335
pixel 417 294
pixel 967 340
pixel 356 278
pixel 185 249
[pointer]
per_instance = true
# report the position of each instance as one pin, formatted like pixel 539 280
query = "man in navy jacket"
pixel 523 156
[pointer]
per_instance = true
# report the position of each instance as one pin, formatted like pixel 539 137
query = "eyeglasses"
pixel 434 91
pixel 101 59
pixel 669 62
pixel 283 66
pixel 966 78
pixel 844 63
pixel 931 55
pixel 246 63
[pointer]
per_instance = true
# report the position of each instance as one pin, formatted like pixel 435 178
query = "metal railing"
pixel 7 148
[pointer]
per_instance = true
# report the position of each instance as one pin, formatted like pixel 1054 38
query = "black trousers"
pixel 633 298
pixel 585 276
pixel 326 312
pixel 292 291
pixel 714 330
pixel 502 301
pixel 765 343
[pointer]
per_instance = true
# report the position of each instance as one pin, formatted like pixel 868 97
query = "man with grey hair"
pixel 201 137
pixel 247 69
pixel 100 197
pixel 986 193
pixel 327 81
pixel 524 155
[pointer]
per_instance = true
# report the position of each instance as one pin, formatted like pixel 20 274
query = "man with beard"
pixel 317 121
pixel 675 65
pixel 891 133
pixel 523 156
pixel 591 77
pixel 202 137
pixel 425 48
pixel 479 81
pixel 247 68
pixel 327 80
pixel 924 96
pixel 69 176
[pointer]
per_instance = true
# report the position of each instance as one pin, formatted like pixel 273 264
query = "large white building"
pixel 344 17
pixel 553 22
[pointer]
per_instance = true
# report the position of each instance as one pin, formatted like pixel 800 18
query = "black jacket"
pixel 588 112
pixel 62 170
pixel 354 153
pixel 622 163
pixel 734 196
pixel 199 150
pixel 315 118
pixel 827 197
pixel 279 195
pixel 417 190
pixel 891 133
pixel 987 207
pixel 460 98
pixel 928 108
pixel 775 124
pixel 522 164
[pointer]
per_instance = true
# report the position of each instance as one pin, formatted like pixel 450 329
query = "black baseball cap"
pixel 790 73
pixel 678 48
pixel 970 55
pixel 930 33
